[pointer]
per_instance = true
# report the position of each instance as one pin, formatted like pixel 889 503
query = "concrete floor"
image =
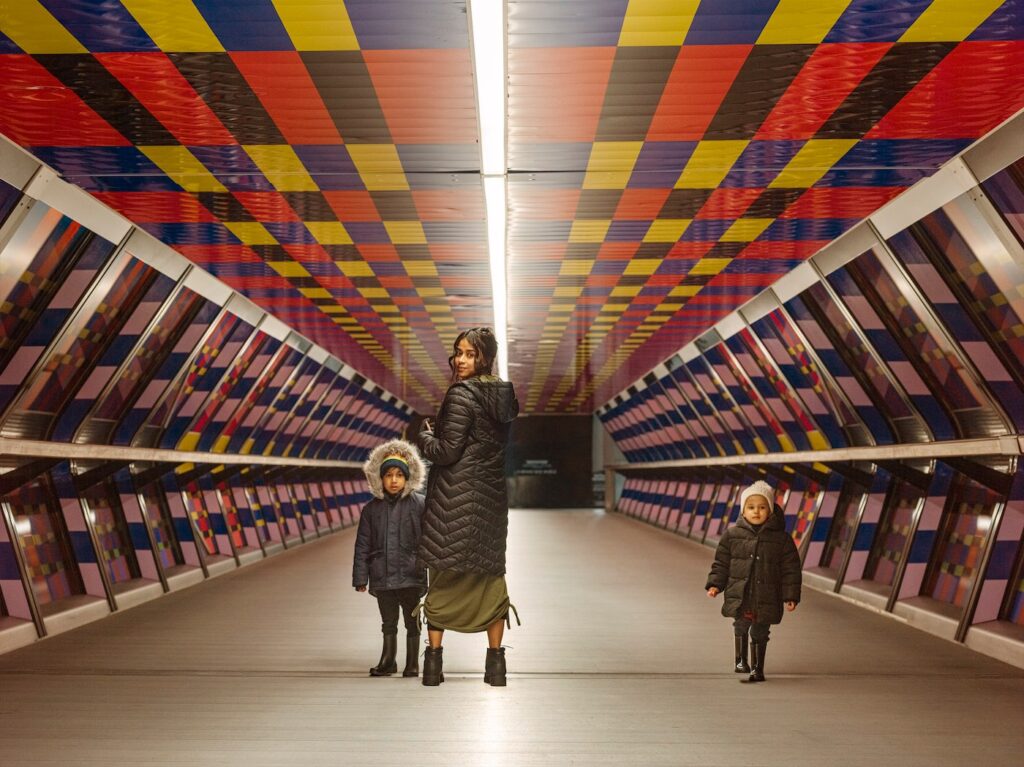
pixel 621 660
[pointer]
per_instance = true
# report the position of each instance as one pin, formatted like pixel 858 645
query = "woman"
pixel 466 519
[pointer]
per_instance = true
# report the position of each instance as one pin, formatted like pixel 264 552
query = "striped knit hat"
pixel 395 461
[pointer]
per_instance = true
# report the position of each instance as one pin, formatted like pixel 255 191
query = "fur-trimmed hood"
pixel 417 470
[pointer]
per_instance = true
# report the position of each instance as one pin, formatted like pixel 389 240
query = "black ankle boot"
pixel 412 656
pixel 387 666
pixel 757 661
pixel 742 666
pixel 433 662
pixel 494 667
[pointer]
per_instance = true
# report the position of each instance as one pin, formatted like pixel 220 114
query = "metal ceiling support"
pixel 65 450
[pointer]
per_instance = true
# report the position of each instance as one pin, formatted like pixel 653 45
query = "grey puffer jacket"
pixel 466 521
pixel 390 527
pixel 761 566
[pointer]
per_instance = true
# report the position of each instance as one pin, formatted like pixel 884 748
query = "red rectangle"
pixel 971 91
pixel 700 80
pixel 832 72
pixel 158 85
pixel 53 116
pixel 282 83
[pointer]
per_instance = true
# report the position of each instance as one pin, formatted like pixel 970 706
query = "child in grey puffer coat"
pixel 757 567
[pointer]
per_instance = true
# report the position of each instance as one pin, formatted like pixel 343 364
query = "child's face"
pixel 756 509
pixel 394 480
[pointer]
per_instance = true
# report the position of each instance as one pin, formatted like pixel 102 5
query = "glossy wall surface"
pixel 909 340
pixel 106 348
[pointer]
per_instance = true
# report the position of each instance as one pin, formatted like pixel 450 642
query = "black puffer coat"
pixel 466 521
pixel 764 561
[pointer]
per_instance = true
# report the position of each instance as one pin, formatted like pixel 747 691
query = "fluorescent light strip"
pixel 494 195
pixel 487 27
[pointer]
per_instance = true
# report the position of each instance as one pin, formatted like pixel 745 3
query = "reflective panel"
pixel 116 548
pixel 45 542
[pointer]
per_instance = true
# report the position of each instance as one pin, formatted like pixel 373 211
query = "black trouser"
pixel 758 631
pixel 388 603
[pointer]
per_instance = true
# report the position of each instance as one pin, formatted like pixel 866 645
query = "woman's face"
pixel 465 360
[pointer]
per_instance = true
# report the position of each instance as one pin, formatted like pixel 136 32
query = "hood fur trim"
pixel 417 470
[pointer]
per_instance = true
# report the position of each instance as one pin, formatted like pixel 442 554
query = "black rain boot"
pixel 757 661
pixel 742 666
pixel 494 667
pixel 387 666
pixel 412 658
pixel 433 662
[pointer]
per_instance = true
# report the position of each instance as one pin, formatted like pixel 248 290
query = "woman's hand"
pixel 427 427
pixel 360 588
pixel 713 592
pixel 790 606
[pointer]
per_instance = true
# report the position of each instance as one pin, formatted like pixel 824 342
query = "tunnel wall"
pixel 880 389
pixel 156 428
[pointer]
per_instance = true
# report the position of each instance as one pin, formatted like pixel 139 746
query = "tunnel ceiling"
pixel 667 160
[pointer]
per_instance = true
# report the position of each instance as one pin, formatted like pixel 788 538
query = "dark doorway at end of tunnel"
pixel 549 462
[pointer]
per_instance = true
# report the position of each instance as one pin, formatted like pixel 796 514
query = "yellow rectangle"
pixel 430 292
pixel 813 161
pixel 798 21
pixel 589 230
pixel 620 291
pixel 335 309
pixel 606 179
pixel 289 269
pixel 710 266
pixel 657 22
pixel 667 230
pixel 420 268
pixel 379 166
pixel 949 21
pixel 251 232
pixel 355 268
pixel 189 441
pixel 374 292
pixel 611 164
pixel 405 232
pixel 315 25
pixel 183 168
pixel 329 232
pixel 175 25
pixel 710 162
pixel 282 167
pixel 642 266
pixel 568 291
pixel 221 445
pixel 746 229
pixel 34 30
pixel 685 290
pixel 315 292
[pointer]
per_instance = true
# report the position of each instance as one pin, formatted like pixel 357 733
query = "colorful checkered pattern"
pixel 667 160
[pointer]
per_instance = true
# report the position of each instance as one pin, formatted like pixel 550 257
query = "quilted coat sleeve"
pixel 445 446
pixel 361 558
pixel 719 575
pixel 791 573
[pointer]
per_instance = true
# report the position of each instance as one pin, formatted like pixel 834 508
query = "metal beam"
pixel 960 448
pixel 65 450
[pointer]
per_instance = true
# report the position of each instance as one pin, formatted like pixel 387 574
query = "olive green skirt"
pixel 465 602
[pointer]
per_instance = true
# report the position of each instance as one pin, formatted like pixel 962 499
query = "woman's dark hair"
pixel 486 345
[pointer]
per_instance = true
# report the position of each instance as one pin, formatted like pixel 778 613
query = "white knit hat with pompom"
pixel 758 488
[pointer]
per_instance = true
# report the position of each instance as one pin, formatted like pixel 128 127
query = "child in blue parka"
pixel 385 551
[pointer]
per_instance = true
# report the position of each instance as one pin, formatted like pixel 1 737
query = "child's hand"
pixel 713 592
pixel 360 588
pixel 790 606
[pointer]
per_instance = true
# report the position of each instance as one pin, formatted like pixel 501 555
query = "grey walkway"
pixel 621 660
